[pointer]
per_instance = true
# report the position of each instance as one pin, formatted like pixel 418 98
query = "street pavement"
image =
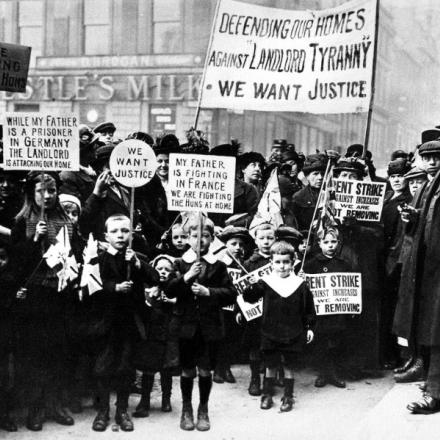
pixel 368 409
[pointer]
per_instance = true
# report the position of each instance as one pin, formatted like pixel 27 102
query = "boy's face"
pixel 235 247
pixel 72 211
pixel 282 265
pixel 329 245
pixel 264 239
pixel 118 233
pixel 205 241
pixel 179 238
pixel 302 247
pixel 3 258
pixel 165 269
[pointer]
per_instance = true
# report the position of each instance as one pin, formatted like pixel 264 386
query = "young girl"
pixel 159 350
pixel 287 322
pixel 330 328
pixel 41 343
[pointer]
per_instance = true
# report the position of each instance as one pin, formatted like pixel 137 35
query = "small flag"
pixel 269 208
pixel 91 276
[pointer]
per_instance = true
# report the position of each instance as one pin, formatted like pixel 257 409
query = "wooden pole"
pixel 130 239
pixel 373 84
pixel 208 51
pixel 327 170
pixel 199 233
pixel 43 190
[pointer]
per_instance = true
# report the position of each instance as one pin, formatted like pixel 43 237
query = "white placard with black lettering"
pixel 133 163
pixel 270 59
pixel 40 141
pixel 201 183
pixel 336 293
pixel 362 200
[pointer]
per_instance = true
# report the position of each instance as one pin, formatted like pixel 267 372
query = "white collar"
pixel 111 250
pixel 190 257
pixel 283 286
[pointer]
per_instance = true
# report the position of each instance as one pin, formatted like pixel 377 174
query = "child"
pixel 71 206
pixel 330 328
pixel 303 247
pixel 201 291
pixel 157 350
pixel 264 239
pixel 8 288
pixel 288 313
pixel 174 242
pixel 238 244
pixel 111 324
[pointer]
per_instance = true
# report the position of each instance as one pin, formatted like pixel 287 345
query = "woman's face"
pixel 162 168
pixel 398 182
pixel 348 175
pixel 315 179
pixel 46 195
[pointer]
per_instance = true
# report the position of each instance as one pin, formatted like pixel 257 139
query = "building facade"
pixel 139 62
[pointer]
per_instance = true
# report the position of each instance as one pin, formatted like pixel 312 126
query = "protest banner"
pixel 268 59
pixel 336 293
pixel 40 141
pixel 234 274
pixel 250 311
pixel 201 183
pixel 362 200
pixel 14 67
pixel 133 164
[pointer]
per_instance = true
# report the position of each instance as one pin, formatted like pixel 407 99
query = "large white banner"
pixel 282 60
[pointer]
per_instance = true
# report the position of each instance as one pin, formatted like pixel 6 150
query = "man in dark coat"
pixel 417 317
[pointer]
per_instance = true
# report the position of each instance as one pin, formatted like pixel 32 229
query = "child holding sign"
pixel 201 291
pixel 287 322
pixel 330 328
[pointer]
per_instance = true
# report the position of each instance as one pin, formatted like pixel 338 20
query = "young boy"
pixel 201 291
pixel 287 322
pixel 111 321
pixel 264 239
pixel 330 328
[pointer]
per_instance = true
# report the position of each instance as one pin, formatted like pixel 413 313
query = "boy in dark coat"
pixel 201 291
pixel 111 326
pixel 287 322
pixel 329 328
pixel 264 239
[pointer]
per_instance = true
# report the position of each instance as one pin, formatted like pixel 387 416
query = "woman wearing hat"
pixel 304 201
pixel 398 195
pixel 362 246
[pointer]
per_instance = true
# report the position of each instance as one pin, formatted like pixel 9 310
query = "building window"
pixel 97 27
pixel 29 108
pixel 167 26
pixel 30 24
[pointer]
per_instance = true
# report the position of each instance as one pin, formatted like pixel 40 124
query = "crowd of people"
pixel 164 299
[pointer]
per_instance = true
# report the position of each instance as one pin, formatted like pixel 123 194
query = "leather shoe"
pixel 203 423
pixel 287 404
pixel 7 424
pixel 142 410
pixel 187 418
pixel 414 374
pixel 60 416
pixel 229 377
pixel 255 386
pixel 405 366
pixel 427 405
pixel 218 378
pixel 101 421
pixel 266 402
pixel 123 420
pixel 335 381
pixel 166 404
pixel 34 421
pixel 320 382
